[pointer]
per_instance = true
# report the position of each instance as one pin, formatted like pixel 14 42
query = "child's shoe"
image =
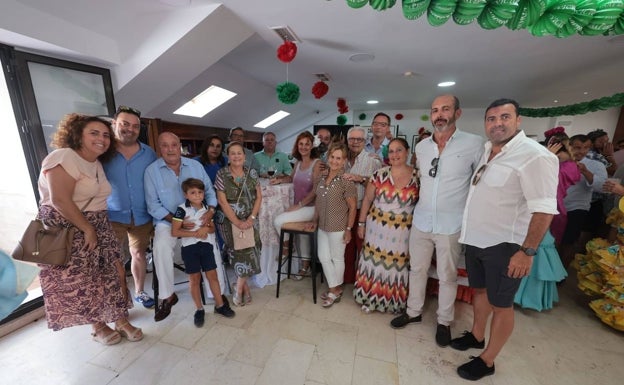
pixel 225 310
pixel 198 319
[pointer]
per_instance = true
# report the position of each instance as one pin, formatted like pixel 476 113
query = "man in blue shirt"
pixel 378 143
pixel 163 194
pixel 237 134
pixel 127 209
pixel 269 158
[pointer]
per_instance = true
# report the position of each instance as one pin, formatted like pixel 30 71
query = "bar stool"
pixel 297 228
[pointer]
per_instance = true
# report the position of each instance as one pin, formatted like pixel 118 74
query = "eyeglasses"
pixel 478 174
pixel 380 124
pixel 129 110
pixel 356 140
pixel 434 167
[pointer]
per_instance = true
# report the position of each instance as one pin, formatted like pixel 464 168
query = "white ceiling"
pixel 162 55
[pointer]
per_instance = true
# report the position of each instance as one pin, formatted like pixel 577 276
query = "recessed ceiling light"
pixel 211 98
pixel 279 115
pixel 408 74
pixel 555 101
pixel 372 101
pixel 585 93
pixel 361 57
pixel 446 84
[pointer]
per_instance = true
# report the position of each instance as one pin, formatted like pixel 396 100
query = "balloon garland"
pixel 560 18
pixel 575 109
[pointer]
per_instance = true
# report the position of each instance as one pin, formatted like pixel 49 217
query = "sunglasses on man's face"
pixel 128 110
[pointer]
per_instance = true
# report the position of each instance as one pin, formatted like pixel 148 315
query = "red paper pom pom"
pixel 398 116
pixel 319 89
pixel 287 52
pixel 341 102
pixel 343 110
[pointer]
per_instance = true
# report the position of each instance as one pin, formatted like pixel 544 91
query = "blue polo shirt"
pixel 163 191
pixel 127 200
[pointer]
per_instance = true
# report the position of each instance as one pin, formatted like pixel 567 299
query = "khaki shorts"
pixel 136 237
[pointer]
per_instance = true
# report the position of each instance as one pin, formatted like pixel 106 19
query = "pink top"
pixel 569 174
pixel 90 179
pixel 302 182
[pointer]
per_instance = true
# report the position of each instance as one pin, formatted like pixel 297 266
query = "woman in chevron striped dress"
pixel 381 280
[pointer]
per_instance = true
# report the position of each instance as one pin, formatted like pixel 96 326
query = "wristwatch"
pixel 528 251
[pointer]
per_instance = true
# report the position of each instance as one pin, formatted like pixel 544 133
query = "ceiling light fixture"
pixel 211 98
pixel 372 101
pixel 276 117
pixel 446 84
pixel 361 57
pixel 555 101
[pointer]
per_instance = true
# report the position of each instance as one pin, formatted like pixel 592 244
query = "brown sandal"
pixel 105 335
pixel 128 331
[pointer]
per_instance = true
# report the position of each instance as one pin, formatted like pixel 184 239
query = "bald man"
pixel 163 194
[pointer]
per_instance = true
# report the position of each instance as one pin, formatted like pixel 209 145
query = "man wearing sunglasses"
pixel 512 200
pixel 127 209
pixel 446 161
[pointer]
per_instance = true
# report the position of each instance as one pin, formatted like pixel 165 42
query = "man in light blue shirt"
pixel 446 161
pixel 163 194
pixel 578 199
pixel 378 143
pixel 127 209
pixel 269 159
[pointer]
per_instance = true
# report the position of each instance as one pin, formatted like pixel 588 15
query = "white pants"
pixel 331 254
pixel 165 249
pixel 302 214
pixel 448 249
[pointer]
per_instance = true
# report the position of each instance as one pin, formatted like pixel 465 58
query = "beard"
pixel 322 148
pixel 446 124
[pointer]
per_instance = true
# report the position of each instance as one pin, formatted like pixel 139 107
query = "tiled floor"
pixel 289 340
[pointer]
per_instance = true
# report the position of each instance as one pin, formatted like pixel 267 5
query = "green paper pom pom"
pixel 424 118
pixel 288 93
pixel 341 120
pixel 357 3
pixel 362 116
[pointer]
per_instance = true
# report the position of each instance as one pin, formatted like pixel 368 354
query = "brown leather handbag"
pixel 48 245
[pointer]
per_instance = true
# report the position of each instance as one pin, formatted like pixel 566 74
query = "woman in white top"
pixel 307 172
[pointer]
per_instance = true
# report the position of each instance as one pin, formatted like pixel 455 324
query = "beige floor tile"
pixel 287 364
pixel 368 371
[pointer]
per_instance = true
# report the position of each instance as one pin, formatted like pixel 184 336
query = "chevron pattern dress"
pixel 381 281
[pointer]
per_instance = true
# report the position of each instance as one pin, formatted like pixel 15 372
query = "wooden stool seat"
pixel 292 229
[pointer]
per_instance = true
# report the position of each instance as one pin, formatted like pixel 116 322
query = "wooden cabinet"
pixel 192 136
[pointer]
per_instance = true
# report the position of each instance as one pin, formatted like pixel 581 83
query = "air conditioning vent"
pixel 286 34
pixel 323 77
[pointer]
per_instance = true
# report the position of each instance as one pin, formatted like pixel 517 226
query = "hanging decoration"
pixel 605 103
pixel 287 52
pixel 342 106
pixel 560 18
pixel 362 116
pixel 424 117
pixel 320 89
pixel 398 116
pixel 287 92
pixel 341 120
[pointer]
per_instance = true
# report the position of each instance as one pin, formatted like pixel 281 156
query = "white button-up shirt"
pixel 442 198
pixel 519 181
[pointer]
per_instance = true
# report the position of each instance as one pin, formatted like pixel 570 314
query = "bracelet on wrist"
pixel 361 224
pixel 253 217
pixel 349 228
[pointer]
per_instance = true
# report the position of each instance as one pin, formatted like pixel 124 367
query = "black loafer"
pixel 404 319
pixel 165 308
pixel 467 341
pixel 475 370
pixel 443 335
pixel 198 318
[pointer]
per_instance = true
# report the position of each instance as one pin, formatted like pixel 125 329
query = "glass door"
pixel 35 93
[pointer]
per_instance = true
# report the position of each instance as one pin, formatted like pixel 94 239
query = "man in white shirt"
pixel 511 202
pixel 446 162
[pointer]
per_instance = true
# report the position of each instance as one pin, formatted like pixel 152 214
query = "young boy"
pixel 197 249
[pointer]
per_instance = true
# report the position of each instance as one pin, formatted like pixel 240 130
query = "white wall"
pixel 470 121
